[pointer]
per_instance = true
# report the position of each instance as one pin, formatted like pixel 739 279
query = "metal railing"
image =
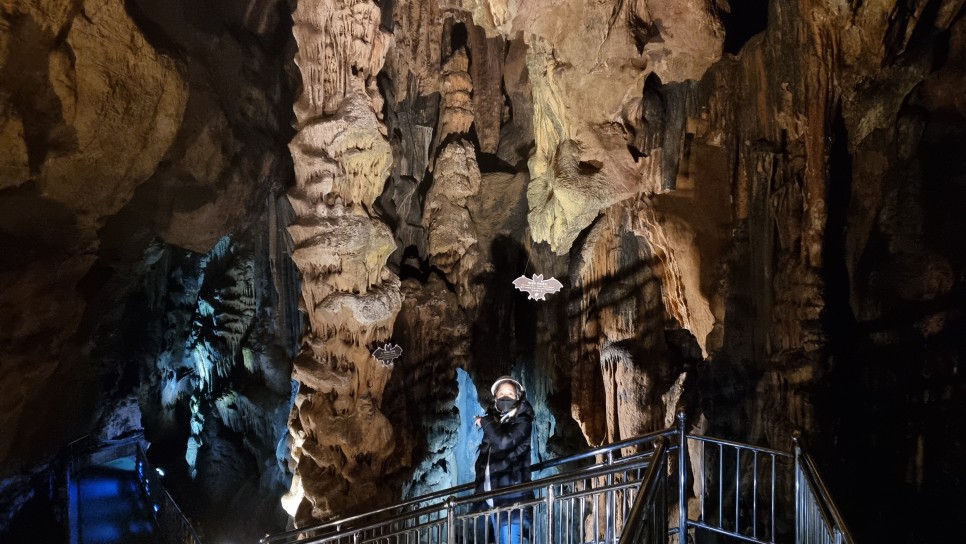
pixel 648 520
pixel 620 493
pixel 173 525
pixel 587 501
pixel 817 518
pixel 739 489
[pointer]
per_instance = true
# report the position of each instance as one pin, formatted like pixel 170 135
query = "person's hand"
pixel 479 421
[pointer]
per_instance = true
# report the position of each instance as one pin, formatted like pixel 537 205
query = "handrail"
pixel 746 509
pixel 457 490
pixel 81 451
pixel 743 495
pixel 827 508
pixel 452 502
pixel 170 509
pixel 544 482
pixel 634 523
pixel 739 445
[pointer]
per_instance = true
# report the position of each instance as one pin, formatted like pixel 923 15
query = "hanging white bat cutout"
pixel 537 287
pixel 388 353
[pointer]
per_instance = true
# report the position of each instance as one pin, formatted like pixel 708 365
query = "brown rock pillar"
pixel 340 440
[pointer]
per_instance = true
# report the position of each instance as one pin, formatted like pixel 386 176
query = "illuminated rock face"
pixel 751 206
pixel 340 440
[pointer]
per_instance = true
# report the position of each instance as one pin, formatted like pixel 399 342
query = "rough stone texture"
pixel 751 206
pixel 435 340
pixel 581 164
pixel 342 445
pixel 453 244
pixel 125 126
pixel 92 132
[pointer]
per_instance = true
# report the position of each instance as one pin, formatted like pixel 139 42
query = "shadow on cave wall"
pixel 504 330
pixel 899 396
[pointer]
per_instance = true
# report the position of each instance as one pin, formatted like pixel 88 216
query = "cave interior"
pixel 212 213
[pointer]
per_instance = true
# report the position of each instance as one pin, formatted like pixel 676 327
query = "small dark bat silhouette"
pixel 537 287
pixel 387 353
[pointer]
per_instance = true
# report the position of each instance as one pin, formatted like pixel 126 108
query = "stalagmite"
pixel 339 438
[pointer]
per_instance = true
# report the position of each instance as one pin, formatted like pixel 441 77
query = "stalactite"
pixel 457 89
pixel 340 443
pixel 622 361
pixel 453 243
pixel 647 226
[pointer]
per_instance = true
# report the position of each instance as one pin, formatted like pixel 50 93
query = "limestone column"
pixel 340 440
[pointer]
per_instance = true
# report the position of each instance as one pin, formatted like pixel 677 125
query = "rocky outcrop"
pixel 79 137
pixel 131 145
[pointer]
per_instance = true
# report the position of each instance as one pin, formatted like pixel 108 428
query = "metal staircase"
pixel 114 496
pixel 644 490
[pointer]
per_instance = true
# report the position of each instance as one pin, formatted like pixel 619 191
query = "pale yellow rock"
pixel 127 111
pixel 343 245
pixel 351 138
pixel 334 38
pixel 342 160
pixel 673 244
pixel 584 65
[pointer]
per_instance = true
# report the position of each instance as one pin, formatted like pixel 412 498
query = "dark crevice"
pixel 643 32
pixel 492 163
pixel 414 266
pixel 154 32
pixel 839 321
pixel 458 37
pixel 746 19
pixel 908 33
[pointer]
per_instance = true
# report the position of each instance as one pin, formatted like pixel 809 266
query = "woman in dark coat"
pixel 504 457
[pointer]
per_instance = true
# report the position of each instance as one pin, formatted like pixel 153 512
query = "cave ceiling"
pixel 213 212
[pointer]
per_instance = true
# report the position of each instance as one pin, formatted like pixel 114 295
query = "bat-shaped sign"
pixel 537 287
pixel 388 353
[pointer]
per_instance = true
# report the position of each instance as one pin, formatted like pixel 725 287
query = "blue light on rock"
pixel 468 441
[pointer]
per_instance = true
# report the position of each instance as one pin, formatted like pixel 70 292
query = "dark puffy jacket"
pixel 506 447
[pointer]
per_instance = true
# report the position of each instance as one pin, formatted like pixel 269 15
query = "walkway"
pixel 110 506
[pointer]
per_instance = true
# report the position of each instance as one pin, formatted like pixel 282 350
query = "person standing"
pixel 504 457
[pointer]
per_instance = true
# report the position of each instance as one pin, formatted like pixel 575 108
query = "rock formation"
pixel 63 175
pixel 752 207
pixel 341 443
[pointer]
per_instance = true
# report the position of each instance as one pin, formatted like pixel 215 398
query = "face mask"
pixel 505 404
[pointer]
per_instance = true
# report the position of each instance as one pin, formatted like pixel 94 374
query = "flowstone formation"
pixel 515 134
pixel 710 181
pixel 340 440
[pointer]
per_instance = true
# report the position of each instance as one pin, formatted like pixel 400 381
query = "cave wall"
pixel 753 208
pixel 146 278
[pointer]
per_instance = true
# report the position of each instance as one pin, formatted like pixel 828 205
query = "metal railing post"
pixel 451 520
pixel 642 522
pixel 798 487
pixel 682 479
pixel 550 499
pixel 582 505
pixel 609 504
